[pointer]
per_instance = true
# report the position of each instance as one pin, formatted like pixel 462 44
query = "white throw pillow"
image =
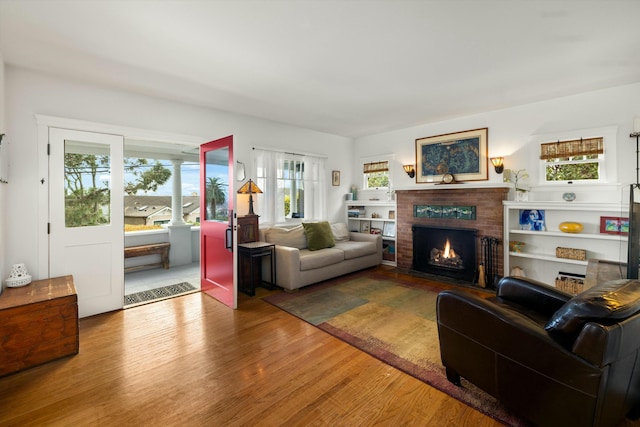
pixel 293 237
pixel 340 232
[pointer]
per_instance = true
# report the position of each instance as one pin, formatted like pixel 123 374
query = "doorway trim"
pixel 43 123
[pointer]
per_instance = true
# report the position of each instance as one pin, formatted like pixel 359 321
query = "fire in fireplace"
pixel 446 257
pixel 445 251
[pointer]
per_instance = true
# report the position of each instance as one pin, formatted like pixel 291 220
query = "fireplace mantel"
pixel 486 198
pixel 465 185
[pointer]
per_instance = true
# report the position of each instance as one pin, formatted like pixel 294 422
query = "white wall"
pixel 3 187
pixel 29 93
pixel 514 133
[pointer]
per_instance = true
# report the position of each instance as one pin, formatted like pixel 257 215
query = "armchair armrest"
pixel 531 294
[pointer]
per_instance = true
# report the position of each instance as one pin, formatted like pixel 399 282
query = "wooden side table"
pixel 250 276
pixel 38 323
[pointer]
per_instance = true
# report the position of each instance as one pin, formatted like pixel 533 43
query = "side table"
pixel 250 276
pixel 38 323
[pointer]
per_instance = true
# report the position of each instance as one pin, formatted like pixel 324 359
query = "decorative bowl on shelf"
pixel 19 276
pixel 17 282
pixel 516 246
pixel 570 227
pixel 569 197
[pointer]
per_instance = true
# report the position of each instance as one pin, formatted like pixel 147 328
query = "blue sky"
pixel 190 181
pixel 190 178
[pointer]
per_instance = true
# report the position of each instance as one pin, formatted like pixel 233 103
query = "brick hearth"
pixel 488 222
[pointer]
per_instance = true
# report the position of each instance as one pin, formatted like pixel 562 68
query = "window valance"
pixel 571 148
pixel 376 167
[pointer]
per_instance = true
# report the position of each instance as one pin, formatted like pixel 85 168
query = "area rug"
pixel 392 320
pixel 164 292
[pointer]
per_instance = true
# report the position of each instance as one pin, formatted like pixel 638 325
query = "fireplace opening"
pixel 445 251
pixel 446 258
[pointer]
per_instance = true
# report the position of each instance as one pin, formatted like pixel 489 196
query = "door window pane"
pixel 87 184
pixel 217 185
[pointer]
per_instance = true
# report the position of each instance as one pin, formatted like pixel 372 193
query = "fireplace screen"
pixel 445 251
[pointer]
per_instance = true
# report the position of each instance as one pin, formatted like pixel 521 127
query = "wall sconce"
pixel 498 164
pixel 250 188
pixel 410 170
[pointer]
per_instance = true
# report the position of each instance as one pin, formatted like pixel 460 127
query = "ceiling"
pixel 345 67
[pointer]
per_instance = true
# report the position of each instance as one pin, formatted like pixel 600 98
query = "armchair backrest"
pixel 532 294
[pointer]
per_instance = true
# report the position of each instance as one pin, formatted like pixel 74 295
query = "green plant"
pixel 215 194
pixel 520 174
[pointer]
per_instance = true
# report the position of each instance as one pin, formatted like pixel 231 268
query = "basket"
pixel 571 253
pixel 570 285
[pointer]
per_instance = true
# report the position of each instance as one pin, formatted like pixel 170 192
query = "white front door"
pixel 86 235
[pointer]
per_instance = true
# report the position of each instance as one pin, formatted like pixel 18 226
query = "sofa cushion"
pixel 353 249
pixel 293 237
pixel 319 235
pixel 614 300
pixel 340 232
pixel 316 259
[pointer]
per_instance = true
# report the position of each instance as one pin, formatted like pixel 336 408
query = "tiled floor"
pixel 145 280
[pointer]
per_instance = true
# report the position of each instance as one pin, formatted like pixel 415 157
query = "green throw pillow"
pixel 319 235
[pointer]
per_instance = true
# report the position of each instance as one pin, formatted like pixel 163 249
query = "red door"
pixel 216 220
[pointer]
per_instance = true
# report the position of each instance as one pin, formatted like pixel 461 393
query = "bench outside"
pixel 161 249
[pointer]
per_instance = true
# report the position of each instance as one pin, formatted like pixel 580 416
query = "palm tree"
pixel 215 194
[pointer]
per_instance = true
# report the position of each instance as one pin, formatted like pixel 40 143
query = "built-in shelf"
pixel 572 235
pixel 538 254
pixel 372 219
pixel 365 222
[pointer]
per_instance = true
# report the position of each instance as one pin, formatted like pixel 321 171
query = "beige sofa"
pixel 297 266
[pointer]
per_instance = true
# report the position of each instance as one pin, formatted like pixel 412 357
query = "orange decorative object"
pixel 570 227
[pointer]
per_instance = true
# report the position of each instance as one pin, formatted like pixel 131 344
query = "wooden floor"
pixel 191 361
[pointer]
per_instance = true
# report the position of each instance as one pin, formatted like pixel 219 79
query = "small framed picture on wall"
pixel 365 226
pixel 335 178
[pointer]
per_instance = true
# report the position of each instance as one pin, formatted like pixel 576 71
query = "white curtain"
pixel 315 188
pixel 265 164
pixel 268 170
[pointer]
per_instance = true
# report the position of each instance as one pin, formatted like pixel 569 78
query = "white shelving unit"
pixel 375 215
pixel 538 257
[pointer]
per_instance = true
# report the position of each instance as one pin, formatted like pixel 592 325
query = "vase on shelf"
pixel 522 196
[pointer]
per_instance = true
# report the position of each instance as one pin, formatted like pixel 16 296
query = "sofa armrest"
pixel 364 237
pixel 287 267
pixel 531 294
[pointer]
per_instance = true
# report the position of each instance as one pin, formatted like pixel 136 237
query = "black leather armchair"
pixel 552 359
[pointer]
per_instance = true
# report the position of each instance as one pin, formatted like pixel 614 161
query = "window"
pixel 376 175
pixel 292 181
pixel 293 186
pixel 573 160
pixel 87 172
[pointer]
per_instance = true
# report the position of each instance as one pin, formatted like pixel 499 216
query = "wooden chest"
pixel 38 323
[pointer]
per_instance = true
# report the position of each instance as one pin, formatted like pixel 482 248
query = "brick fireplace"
pixel 488 221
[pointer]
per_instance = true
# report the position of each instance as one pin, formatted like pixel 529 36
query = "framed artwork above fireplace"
pixel 463 154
